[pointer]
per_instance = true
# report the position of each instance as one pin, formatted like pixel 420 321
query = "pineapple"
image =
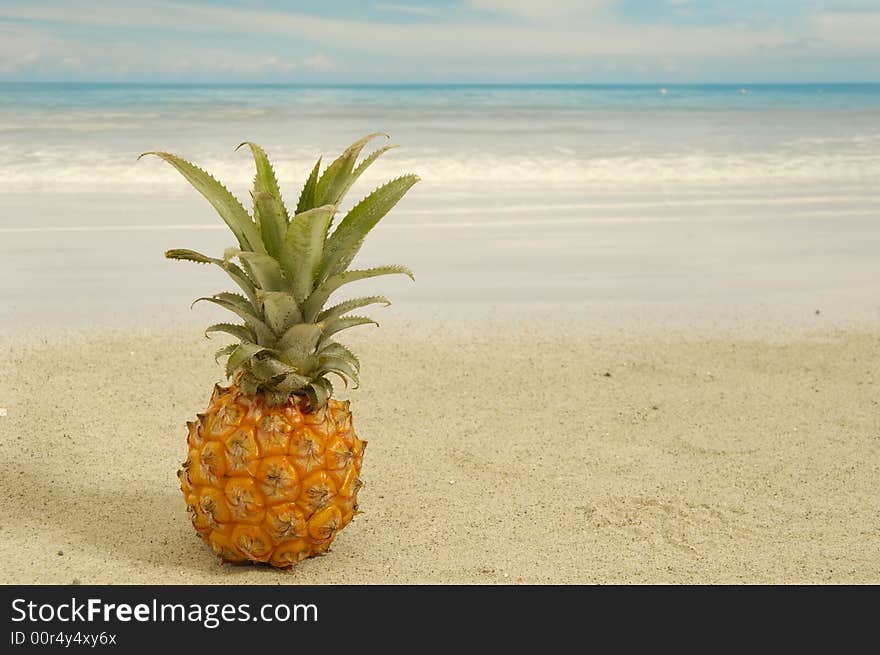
pixel 273 466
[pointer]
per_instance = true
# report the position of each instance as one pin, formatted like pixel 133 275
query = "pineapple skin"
pixel 271 484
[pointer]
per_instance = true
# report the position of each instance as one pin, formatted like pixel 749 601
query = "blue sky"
pixel 443 41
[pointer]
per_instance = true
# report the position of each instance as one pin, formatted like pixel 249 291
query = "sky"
pixel 445 41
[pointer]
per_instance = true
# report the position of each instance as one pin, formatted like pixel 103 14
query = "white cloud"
pixel 39 51
pixel 852 29
pixel 270 64
pixel 541 11
pixel 582 31
pixel 15 62
pixel 319 62
pixel 486 39
pixel 414 10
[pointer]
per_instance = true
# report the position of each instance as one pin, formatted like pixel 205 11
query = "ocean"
pixel 680 204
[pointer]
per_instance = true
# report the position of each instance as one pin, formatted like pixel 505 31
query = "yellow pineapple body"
pixel 266 483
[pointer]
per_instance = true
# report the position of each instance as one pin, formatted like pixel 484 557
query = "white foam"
pixel 65 170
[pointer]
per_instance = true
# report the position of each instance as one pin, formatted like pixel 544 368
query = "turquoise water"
pixel 167 97
pixel 736 201
pixel 78 137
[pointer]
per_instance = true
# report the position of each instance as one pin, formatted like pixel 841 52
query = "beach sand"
pixel 531 453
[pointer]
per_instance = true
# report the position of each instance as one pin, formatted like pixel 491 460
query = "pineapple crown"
pixel 288 267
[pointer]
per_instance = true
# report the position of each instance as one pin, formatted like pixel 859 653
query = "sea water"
pixel 653 202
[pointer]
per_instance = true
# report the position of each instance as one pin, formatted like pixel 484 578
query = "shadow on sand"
pixel 145 525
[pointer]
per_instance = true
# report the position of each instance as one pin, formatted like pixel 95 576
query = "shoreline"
pixel 496 455
pixel 463 318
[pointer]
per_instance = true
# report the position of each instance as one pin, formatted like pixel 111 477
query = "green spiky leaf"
pixel 307 195
pixel 305 246
pixel 273 222
pixel 238 275
pixel 183 254
pixel 360 168
pixel 242 353
pixel 313 304
pixel 339 366
pixel 265 269
pixel 289 268
pixel 224 351
pixel 240 332
pixel 319 392
pixel 336 349
pixel 349 305
pixel 346 240
pixel 226 204
pixel 267 368
pixel 293 382
pixel 243 309
pixel 344 322
pixel 280 310
pixel 248 384
pixel 336 179
pixel 299 341
pixel 373 156
pixel 265 180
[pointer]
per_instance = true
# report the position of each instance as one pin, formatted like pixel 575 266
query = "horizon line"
pixel 435 84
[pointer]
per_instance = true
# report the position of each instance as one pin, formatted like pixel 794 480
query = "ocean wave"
pixel 86 171
pixel 49 173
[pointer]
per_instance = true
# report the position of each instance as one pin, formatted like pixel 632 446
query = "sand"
pixel 528 454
